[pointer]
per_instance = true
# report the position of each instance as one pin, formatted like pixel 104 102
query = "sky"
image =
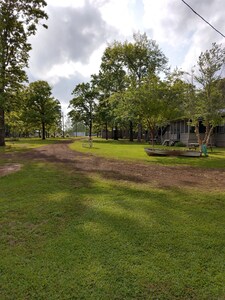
pixel 70 50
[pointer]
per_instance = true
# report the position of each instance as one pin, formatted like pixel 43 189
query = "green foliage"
pixel 83 105
pixel 112 69
pixel 151 102
pixel 105 85
pixel 123 69
pixel 130 92
pixel 41 109
pixel 143 57
pixel 18 21
pixel 15 123
pixel 207 103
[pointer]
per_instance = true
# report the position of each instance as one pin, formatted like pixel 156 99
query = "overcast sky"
pixel 70 50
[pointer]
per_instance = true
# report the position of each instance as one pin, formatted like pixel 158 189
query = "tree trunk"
pixel 90 129
pixel 131 131
pixel 106 131
pixel 139 133
pixel 2 127
pixel 208 132
pixel 151 128
pixel 43 130
pixel 152 135
pixel 198 136
pixel 116 133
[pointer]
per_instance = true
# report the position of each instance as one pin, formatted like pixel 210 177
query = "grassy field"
pixel 74 236
pixel 23 144
pixel 126 150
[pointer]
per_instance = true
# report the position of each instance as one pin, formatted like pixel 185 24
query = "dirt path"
pixel 155 175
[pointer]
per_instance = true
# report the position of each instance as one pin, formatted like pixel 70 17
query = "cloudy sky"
pixel 79 30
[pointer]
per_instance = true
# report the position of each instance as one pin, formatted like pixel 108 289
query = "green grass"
pixel 24 144
pixel 73 236
pixel 134 151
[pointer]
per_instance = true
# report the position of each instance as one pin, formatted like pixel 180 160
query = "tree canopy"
pixel 207 99
pixel 83 104
pixel 41 109
pixel 123 69
pixel 18 21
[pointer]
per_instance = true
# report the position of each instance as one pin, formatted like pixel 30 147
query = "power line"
pixel 203 18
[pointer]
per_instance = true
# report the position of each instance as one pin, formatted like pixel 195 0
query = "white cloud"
pixel 117 14
pixel 66 3
pixel 73 43
pixel 71 49
pixel 151 19
pixel 69 68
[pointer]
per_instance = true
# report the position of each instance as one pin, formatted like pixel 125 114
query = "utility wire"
pixel 203 18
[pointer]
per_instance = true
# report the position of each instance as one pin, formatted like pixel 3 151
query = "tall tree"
pixel 83 105
pixel 111 79
pixel 107 84
pixel 143 57
pixel 209 99
pixel 123 66
pixel 18 21
pixel 41 108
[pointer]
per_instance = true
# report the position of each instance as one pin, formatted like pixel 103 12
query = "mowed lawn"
pixel 66 235
pixel 134 151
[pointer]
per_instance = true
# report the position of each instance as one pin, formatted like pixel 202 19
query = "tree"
pixel 111 79
pixel 143 57
pixel 18 21
pixel 123 67
pixel 208 101
pixel 107 84
pixel 41 108
pixel 83 105
pixel 154 101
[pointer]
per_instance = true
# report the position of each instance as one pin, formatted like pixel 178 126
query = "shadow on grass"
pixel 69 236
pixel 37 141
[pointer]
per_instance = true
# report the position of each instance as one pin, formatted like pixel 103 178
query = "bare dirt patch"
pixel 154 175
pixel 9 168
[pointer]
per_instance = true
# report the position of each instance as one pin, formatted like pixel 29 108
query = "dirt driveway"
pixel 155 175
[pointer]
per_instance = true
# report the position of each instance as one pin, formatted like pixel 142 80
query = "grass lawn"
pixel 74 236
pixel 23 144
pixel 126 150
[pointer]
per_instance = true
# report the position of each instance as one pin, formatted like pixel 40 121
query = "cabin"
pixel 180 131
